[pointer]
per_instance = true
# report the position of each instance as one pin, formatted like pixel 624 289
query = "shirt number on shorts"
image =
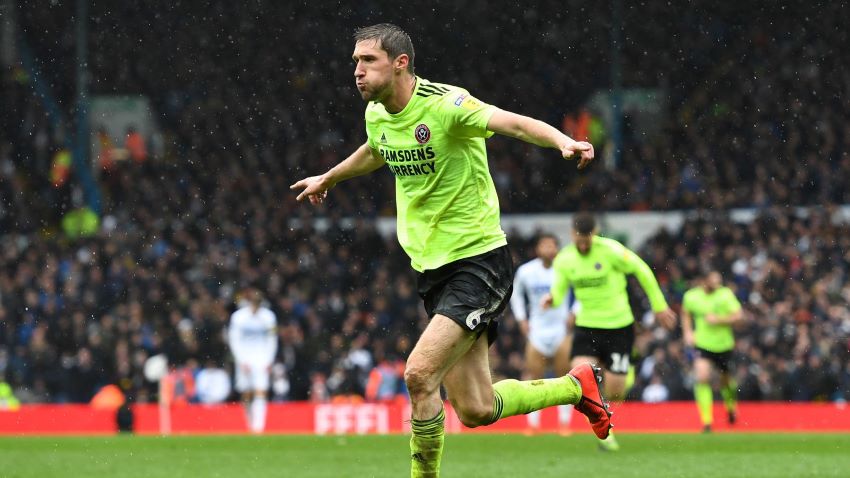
pixel 620 363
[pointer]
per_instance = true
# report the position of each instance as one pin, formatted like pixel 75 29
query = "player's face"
pixel 582 242
pixel 373 71
pixel 547 249
pixel 713 281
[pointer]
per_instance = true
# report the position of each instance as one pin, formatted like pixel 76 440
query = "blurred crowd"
pixel 252 97
pixel 790 272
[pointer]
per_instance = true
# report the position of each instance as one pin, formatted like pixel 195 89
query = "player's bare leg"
pixel 449 353
pixel 441 345
pixel 535 367
pixel 561 365
pixel 469 386
pixel 702 391
pixel 466 384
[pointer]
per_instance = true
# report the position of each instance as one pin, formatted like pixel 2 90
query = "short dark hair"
pixel 393 39
pixel 584 223
pixel 548 235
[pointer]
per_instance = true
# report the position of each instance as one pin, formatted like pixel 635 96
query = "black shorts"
pixel 612 346
pixel 473 291
pixel 722 360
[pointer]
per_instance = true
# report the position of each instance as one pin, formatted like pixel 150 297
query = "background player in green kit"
pixel 431 137
pixel 596 268
pixel 708 313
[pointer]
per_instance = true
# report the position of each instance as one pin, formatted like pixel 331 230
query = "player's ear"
pixel 401 62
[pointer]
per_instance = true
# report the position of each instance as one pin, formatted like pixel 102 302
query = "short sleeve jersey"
pixel 599 282
pixel 446 200
pixel 721 302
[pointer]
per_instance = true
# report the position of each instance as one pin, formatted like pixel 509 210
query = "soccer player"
pixel 708 313
pixel 253 341
pixel 431 138
pixel 595 268
pixel 546 331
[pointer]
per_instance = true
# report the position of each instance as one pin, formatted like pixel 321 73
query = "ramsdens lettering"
pixel 407 155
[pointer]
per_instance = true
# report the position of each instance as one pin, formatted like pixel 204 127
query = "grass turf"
pixel 512 456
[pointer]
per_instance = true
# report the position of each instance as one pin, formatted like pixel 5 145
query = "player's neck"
pixel 546 264
pixel 401 95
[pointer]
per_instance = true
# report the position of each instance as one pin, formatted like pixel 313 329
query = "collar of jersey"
pixel 407 107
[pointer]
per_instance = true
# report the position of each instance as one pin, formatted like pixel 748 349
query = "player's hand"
pixel 546 301
pixel 689 339
pixel 315 188
pixel 246 369
pixel 711 319
pixel 583 149
pixel 666 317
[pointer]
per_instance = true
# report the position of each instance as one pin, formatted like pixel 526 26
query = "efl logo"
pixel 422 133
pixel 345 418
pixel 459 100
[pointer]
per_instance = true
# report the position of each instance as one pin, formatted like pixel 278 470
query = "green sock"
pixel 704 397
pixel 513 397
pixel 730 395
pixel 426 446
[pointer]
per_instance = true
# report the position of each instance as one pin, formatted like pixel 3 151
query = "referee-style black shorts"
pixel 722 360
pixel 473 291
pixel 611 346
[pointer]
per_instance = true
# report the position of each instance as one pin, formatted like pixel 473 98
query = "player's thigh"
pixel 702 369
pixel 242 382
pixel 535 362
pixel 469 385
pixel 260 379
pixel 561 360
pixel 439 347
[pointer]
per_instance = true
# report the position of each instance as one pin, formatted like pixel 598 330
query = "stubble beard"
pixel 377 94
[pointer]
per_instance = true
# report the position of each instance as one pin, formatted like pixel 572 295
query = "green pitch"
pixel 466 456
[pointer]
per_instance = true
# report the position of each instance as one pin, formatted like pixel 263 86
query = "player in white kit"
pixel 547 331
pixel 252 336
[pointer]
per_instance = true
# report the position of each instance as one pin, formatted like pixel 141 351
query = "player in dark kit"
pixel 431 137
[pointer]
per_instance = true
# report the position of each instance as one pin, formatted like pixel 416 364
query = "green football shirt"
pixel 599 283
pixel 722 302
pixel 446 200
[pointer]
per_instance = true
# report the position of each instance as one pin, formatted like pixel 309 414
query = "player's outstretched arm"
pixel 362 161
pixel 537 132
pixel 631 263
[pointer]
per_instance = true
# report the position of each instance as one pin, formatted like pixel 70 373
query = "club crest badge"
pixel 422 133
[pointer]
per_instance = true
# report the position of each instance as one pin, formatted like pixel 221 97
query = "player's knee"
pixel 475 415
pixel 419 381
